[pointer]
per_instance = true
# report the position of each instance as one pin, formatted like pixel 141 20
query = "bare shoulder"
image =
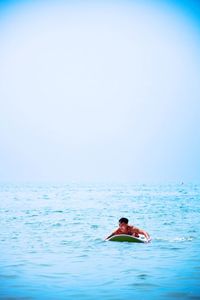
pixel 135 229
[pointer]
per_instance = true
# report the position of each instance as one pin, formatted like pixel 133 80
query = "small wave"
pixel 175 239
pixel 64 242
pixel 50 276
pixel 94 226
pixel 8 276
pixel 144 284
pixel 178 295
pixel 182 239
pixel 45 264
pixel 142 276
pixel 45 196
pixel 57 225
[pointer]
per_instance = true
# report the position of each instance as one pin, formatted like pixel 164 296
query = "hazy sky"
pixel 100 91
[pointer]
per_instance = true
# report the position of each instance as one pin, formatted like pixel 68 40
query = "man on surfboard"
pixel 124 228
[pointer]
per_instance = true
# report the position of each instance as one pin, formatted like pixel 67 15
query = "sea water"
pixel 52 241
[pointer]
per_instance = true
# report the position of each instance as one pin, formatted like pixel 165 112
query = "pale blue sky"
pixel 99 91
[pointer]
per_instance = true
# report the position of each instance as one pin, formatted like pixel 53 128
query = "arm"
pixel 138 231
pixel 143 232
pixel 113 233
pixel 109 236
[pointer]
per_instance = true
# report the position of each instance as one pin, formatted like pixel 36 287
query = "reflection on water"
pixel 52 243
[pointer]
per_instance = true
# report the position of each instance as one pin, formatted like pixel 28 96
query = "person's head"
pixel 123 220
pixel 123 224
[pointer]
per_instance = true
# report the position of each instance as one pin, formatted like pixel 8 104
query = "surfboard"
pixel 125 238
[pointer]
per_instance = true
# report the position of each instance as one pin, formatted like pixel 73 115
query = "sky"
pixel 100 91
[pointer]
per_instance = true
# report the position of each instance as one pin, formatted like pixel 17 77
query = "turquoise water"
pixel 52 243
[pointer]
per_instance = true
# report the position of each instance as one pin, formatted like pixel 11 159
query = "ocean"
pixel 52 241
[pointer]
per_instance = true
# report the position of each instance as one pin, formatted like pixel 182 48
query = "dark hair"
pixel 123 220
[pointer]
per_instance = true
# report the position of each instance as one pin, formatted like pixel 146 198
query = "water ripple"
pixel 52 241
